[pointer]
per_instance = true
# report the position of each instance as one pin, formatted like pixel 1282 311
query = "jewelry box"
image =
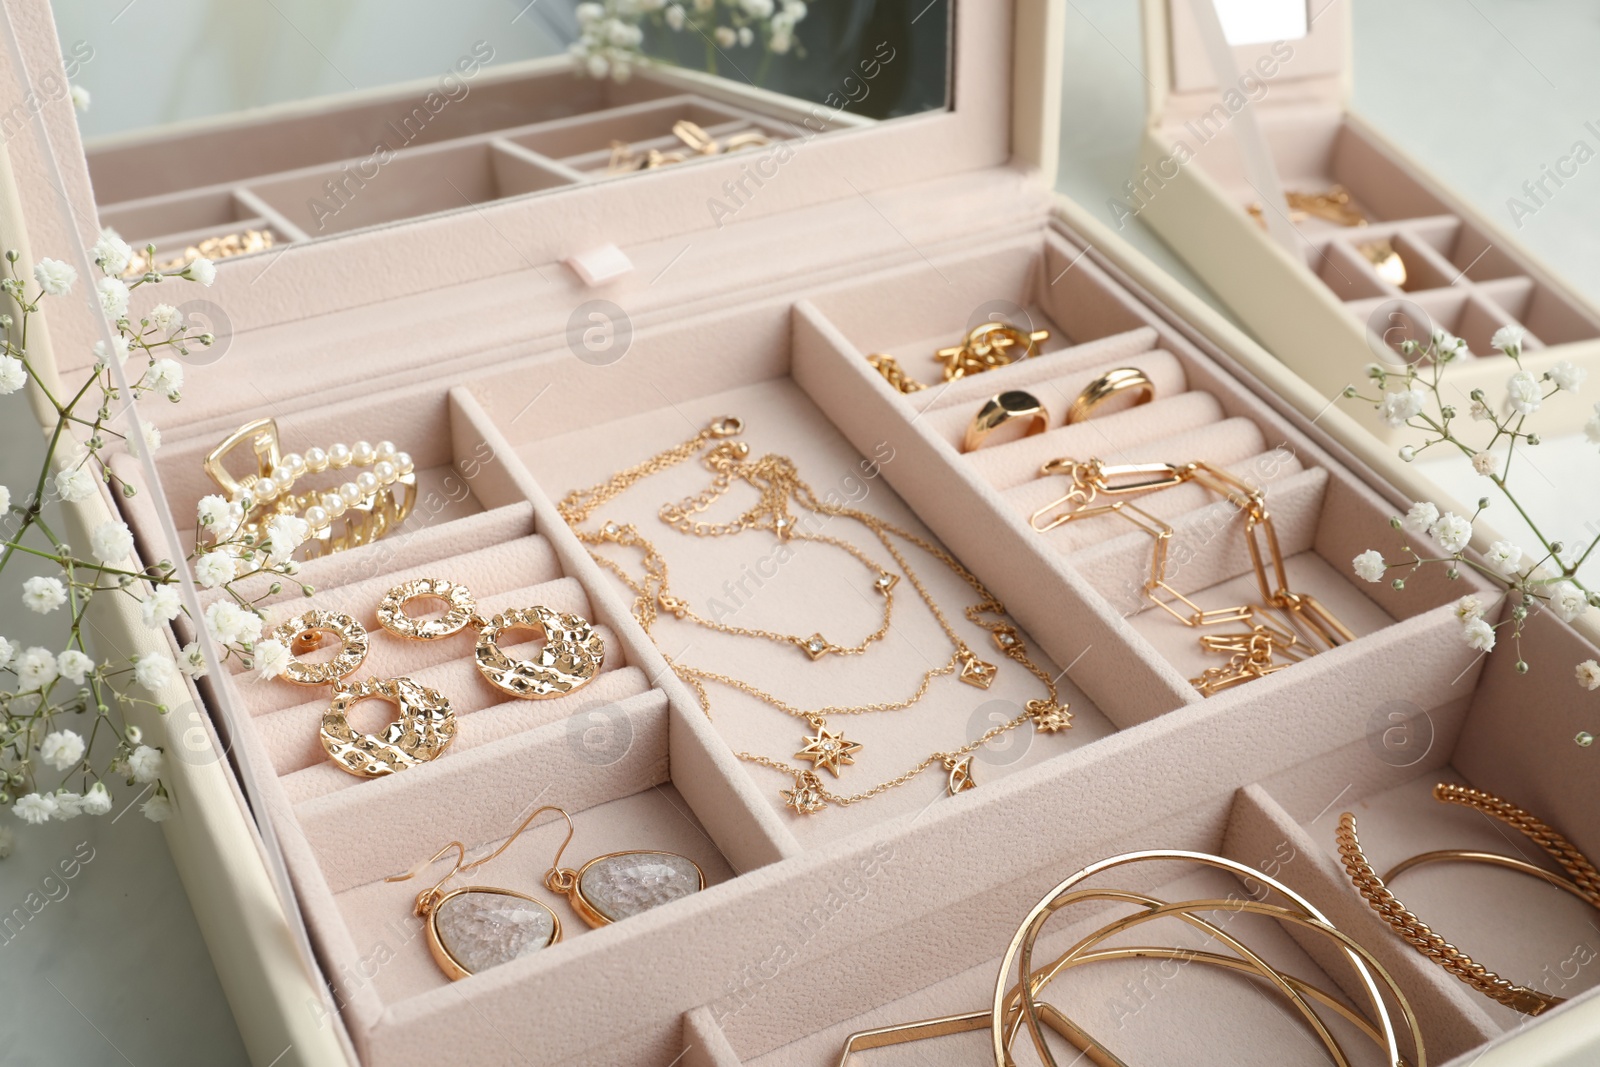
pixel 884 239
pixel 1318 297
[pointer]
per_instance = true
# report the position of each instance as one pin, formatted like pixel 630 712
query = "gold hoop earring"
pixel 1583 884
pixel 571 657
pixel 424 728
pixel 478 926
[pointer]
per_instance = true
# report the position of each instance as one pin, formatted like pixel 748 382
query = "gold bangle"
pixel 1001 409
pixel 1584 884
pixel 1107 386
pixel 1016 1006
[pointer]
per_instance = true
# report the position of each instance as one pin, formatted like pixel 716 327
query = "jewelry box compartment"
pixel 1511 735
pixel 633 772
pixel 672 383
pixel 1088 578
pixel 1430 726
pixel 1464 279
pixel 352 165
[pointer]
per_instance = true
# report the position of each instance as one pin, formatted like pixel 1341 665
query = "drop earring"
pixel 423 730
pixel 619 885
pixel 572 655
pixel 468 933
pixel 477 926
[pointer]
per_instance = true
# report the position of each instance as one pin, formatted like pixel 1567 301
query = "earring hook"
pixel 428 897
pixel 534 814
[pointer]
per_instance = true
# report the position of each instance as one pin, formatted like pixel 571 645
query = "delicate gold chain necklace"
pixel 779 485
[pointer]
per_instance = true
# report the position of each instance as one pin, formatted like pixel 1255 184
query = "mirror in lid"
pixel 222 129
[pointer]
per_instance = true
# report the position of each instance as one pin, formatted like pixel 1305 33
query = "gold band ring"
pixel 1108 385
pixel 998 411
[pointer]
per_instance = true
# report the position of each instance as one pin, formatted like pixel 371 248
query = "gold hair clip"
pixel 357 512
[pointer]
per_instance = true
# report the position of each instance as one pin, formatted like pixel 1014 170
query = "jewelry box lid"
pixel 998 53
pixel 1285 54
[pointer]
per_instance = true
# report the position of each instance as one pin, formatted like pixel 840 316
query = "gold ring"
pixel 1107 386
pixel 1385 261
pixel 999 410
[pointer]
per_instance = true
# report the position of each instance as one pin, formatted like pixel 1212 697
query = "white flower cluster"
pixel 611 33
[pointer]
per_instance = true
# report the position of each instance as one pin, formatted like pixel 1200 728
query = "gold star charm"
pixel 828 751
pixel 960 779
pixel 976 672
pixel 1048 716
pixel 806 796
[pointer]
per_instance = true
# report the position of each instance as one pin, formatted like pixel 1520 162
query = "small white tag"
pixel 600 265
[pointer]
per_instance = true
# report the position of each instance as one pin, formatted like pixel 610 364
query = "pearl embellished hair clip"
pixel 356 512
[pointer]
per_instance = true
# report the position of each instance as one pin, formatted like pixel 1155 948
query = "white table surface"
pixel 1483 91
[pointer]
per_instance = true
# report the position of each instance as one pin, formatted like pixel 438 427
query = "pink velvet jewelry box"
pixel 879 239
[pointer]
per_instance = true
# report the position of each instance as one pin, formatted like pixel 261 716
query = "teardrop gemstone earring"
pixel 476 927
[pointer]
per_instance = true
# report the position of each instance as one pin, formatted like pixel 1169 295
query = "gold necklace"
pixel 779 485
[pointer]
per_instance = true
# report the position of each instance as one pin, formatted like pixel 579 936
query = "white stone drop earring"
pixel 618 885
pixel 477 927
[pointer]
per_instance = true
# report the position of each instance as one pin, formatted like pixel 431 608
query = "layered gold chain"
pixel 781 490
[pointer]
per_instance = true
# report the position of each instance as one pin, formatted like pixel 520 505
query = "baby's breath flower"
pixel 111 542
pixel 1369 565
pixel 35 809
pixel 43 595
pixel 1479 411
pixel 1452 532
pixel 62 749
pixel 74 665
pixel 215 568
pixel 1523 395
pixel 157 809
pixel 201 270
pixel 153 670
pixel 1468 608
pixel 54 276
pixel 1504 557
pixel 111 253
pixel 1478 634
pixel 145 764
pixel 74 485
pixel 1588 673
pixel 1508 339
pixel 1567 601
pixel 113 296
pixel 1485 463
pixel 1420 518
pixel 161 606
pixel 36 668
pixel 97 801
pixel 1401 405
pixel 1566 376
pixel 166 318
pixel 191 661
pixel 271 658
pixel 13 375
